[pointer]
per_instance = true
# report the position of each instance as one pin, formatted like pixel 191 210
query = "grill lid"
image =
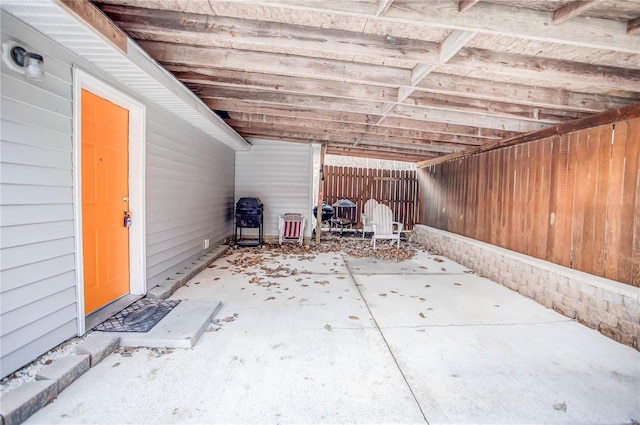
pixel 249 206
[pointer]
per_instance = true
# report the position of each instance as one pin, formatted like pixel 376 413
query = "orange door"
pixel 105 198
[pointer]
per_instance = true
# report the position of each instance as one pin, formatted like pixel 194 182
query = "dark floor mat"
pixel 140 316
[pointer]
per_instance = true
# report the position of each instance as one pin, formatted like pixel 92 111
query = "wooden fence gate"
pixel 398 189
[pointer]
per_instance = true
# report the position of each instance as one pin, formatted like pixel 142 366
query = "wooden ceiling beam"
pixel 464 5
pixel 484 17
pixel 205 30
pixel 332 139
pixel 603 118
pixel 365 153
pixel 345 136
pixel 203 77
pixel 243 106
pixel 573 9
pixel 493 108
pixel 358 128
pixel 278 64
pixel 383 6
pixel 512 65
pixel 438 83
pixel 489 18
pixel 558 71
pixel 92 16
pixel 446 128
pixel 454 114
pixel 633 26
pixel 294 100
pixel 521 94
pixel 467 119
pixel 248 108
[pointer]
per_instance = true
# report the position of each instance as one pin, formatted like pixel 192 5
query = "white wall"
pixel 281 175
pixel 189 197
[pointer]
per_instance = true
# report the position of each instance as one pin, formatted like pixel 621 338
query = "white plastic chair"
pixel 366 215
pixel 383 225
pixel 291 228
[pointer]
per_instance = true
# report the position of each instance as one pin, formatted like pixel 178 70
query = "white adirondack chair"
pixel 383 225
pixel 291 228
pixel 366 215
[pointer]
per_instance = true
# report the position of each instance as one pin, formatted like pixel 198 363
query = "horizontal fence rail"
pixel 398 189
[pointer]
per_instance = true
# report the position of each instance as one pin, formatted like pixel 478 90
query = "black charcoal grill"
pixel 249 215
pixel 327 212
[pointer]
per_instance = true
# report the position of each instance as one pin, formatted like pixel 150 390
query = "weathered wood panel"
pixel 572 199
pixel 397 189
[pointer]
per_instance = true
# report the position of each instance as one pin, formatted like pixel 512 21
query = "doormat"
pixel 140 316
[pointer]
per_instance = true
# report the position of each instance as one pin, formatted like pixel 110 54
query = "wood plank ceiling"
pixel 409 80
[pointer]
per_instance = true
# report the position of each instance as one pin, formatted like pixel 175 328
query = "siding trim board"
pixel 137 137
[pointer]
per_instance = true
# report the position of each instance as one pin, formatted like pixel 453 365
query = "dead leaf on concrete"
pixel 560 406
pixel 394 292
pixel 340 277
pixel 438 260
pixel 424 267
pixel 254 279
pixel 383 295
pixel 354 318
pixel 422 299
pixel 422 315
pixel 443 269
pixel 457 284
pixel 427 286
pixel 327 327
pixel 322 282
pixel 270 298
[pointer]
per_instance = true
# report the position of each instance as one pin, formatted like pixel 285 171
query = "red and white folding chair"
pixel 291 228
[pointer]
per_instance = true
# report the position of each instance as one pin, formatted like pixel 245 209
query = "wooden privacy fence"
pixel 572 199
pixel 398 189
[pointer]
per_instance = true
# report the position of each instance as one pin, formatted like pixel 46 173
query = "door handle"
pixel 127 219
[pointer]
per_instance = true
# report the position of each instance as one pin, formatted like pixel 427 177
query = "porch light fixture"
pixel 30 64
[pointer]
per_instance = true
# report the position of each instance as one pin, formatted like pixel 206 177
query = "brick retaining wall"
pixel 611 307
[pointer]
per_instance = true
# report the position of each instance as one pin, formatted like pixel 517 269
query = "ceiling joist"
pixel 394 78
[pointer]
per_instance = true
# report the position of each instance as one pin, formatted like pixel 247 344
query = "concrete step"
pixel 181 328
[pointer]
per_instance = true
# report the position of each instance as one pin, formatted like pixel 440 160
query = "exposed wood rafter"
pixel 383 6
pixel 464 5
pixel 633 26
pixel 396 79
pixel 573 9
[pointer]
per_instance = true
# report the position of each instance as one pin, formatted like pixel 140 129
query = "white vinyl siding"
pixel 280 174
pixel 189 198
pixel 38 300
pixel 189 194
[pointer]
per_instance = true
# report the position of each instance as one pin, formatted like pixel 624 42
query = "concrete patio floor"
pixel 334 339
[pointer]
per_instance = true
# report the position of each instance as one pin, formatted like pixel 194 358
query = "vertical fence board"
pixel 396 188
pixel 600 199
pixel 542 228
pixel 556 192
pixel 572 199
pixel 629 193
pixel 614 201
pixel 580 198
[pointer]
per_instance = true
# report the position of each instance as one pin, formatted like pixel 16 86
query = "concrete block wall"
pixel 611 307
